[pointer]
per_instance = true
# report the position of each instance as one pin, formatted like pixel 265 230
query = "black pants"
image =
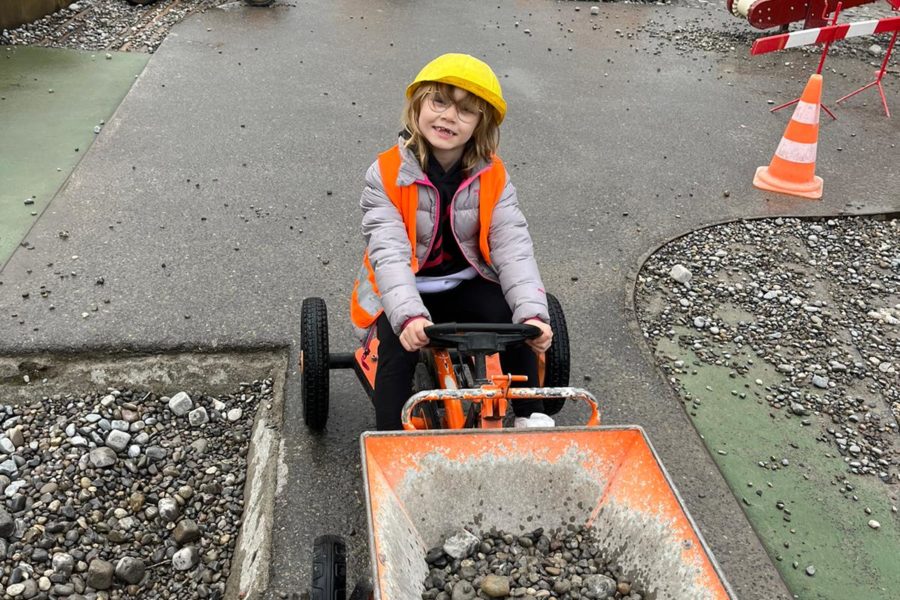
pixel 474 301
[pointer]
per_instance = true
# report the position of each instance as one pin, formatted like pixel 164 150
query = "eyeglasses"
pixel 439 103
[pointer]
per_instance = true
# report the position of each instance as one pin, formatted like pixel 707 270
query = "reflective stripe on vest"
pixel 365 302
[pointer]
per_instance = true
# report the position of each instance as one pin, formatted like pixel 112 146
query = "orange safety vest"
pixel 406 200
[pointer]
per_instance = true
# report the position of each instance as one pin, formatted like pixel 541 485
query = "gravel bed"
pixel 735 38
pixel 562 564
pixel 817 301
pixel 125 492
pixel 106 25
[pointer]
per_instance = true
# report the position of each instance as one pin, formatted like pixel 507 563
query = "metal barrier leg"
pixel 878 78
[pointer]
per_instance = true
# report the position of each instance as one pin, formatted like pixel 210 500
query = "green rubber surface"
pixel 822 524
pixel 43 135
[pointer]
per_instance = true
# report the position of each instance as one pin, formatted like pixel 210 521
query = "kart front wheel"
pixel 329 576
pixel 314 362
pixel 556 371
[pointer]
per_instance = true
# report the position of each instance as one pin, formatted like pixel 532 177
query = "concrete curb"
pixel 250 565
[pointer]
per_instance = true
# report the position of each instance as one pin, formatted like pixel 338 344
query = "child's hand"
pixel 542 342
pixel 413 335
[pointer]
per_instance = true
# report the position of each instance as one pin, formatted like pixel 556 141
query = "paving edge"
pixel 166 373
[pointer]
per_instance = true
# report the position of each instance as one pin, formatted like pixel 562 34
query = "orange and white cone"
pixel 793 168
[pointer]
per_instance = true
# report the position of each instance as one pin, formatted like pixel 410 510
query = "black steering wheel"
pixel 480 337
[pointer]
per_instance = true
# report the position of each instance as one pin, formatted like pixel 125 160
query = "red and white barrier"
pixel 824 35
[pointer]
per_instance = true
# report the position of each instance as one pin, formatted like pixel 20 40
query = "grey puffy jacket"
pixel 512 254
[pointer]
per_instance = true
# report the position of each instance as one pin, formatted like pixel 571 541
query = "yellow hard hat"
pixel 467 73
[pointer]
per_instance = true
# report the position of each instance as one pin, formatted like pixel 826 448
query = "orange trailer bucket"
pixel 422 487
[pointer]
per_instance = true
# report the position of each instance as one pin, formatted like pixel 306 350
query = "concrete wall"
pixel 16 12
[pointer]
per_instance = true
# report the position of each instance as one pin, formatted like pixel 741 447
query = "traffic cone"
pixel 793 168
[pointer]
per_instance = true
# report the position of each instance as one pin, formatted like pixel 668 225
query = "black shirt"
pixel 445 257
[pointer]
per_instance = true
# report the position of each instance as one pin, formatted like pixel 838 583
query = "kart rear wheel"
pixel 424 380
pixel 314 362
pixel 329 573
pixel 556 373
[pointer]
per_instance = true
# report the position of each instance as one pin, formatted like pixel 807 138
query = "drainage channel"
pixel 146 476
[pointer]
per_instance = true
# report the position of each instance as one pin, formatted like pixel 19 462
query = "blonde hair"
pixel 481 146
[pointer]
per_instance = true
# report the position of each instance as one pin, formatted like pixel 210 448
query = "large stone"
pixel 198 417
pixel 8 468
pixel 118 440
pixel 156 453
pixel 100 574
pixel 168 509
pixel 461 544
pixel 185 559
pixel 681 274
pixel 463 590
pixel 7 525
pixel 16 437
pixel 180 404
pixel 31 589
pixel 15 590
pixel 130 570
pixel 495 586
pixel 186 532
pixel 63 564
pixel 103 457
pixel 598 587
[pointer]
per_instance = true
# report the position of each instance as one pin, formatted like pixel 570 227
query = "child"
pixel 446 240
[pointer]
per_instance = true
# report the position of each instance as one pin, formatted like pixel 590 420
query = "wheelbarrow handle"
pixel 523 393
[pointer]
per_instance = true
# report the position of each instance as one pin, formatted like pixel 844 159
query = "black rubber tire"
pixel 424 380
pixel 314 364
pixel 362 591
pixel 557 358
pixel 329 573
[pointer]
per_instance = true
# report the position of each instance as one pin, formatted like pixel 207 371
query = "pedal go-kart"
pixel 458 382
pixel 457 465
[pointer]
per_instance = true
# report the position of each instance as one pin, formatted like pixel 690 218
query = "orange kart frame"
pixel 490 399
